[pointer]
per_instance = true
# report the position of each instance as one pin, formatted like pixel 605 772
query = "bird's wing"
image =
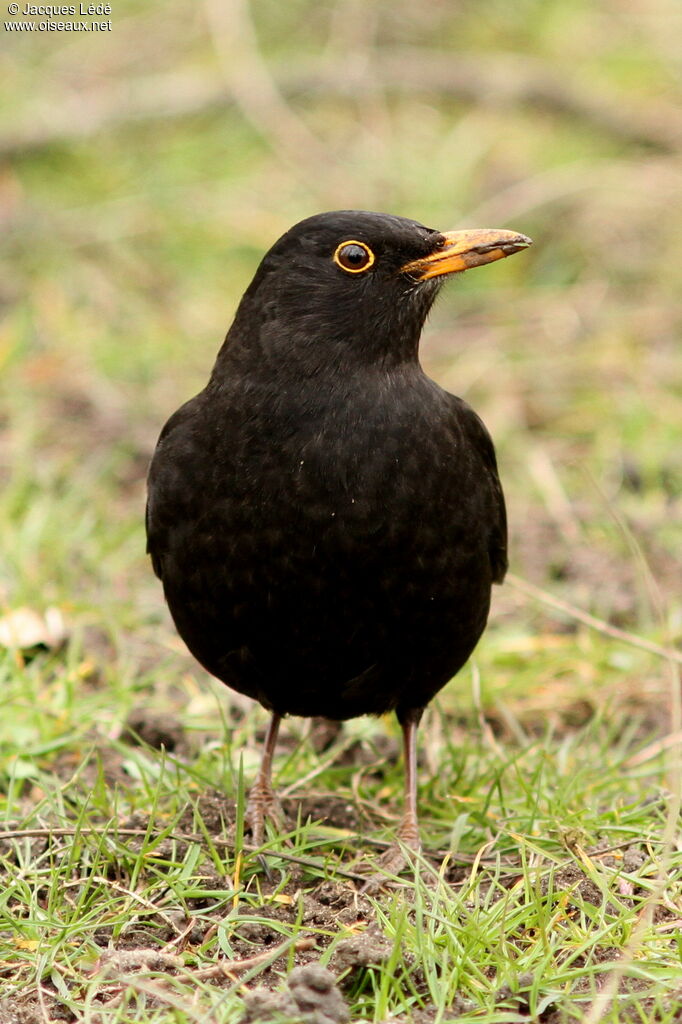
pixel 156 562
pixel 479 442
pixel 165 482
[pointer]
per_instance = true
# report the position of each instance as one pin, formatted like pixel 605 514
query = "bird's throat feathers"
pixel 302 332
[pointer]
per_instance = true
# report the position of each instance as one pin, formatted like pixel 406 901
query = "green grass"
pixel 544 874
pixel 549 889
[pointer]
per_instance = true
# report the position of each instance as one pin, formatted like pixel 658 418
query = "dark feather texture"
pixel 327 522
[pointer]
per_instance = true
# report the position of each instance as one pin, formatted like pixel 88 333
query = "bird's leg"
pixel 408 829
pixel 407 835
pixel 263 802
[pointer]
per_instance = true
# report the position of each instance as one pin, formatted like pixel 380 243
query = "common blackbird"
pixel 326 520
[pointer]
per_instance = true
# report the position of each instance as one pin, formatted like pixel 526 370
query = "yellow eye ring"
pixel 354 257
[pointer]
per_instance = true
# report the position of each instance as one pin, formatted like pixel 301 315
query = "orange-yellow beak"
pixel 461 250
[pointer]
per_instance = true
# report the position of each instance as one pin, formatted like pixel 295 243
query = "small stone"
pixel 318 999
pixel 366 950
pixel 312 998
pixel 313 976
pixel 263 1005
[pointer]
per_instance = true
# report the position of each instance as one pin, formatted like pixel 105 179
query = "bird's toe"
pixel 263 803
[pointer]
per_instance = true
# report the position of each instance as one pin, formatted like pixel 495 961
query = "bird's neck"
pixel 321 348
pixel 324 364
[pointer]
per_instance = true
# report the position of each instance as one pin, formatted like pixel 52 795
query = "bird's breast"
pixel 352 468
pixel 313 540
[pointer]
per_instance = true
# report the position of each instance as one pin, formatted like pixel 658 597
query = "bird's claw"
pixel 395 858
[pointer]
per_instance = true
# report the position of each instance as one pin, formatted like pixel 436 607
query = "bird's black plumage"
pixel 326 520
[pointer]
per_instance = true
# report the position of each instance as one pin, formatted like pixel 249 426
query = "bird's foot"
pixel 396 857
pixel 262 803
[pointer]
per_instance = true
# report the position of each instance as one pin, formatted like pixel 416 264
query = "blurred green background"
pixel 146 169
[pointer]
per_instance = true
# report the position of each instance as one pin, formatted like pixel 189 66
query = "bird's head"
pixel 354 287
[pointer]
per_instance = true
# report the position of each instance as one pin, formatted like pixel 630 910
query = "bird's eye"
pixel 354 257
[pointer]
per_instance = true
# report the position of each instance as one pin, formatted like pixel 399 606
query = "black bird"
pixel 326 520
